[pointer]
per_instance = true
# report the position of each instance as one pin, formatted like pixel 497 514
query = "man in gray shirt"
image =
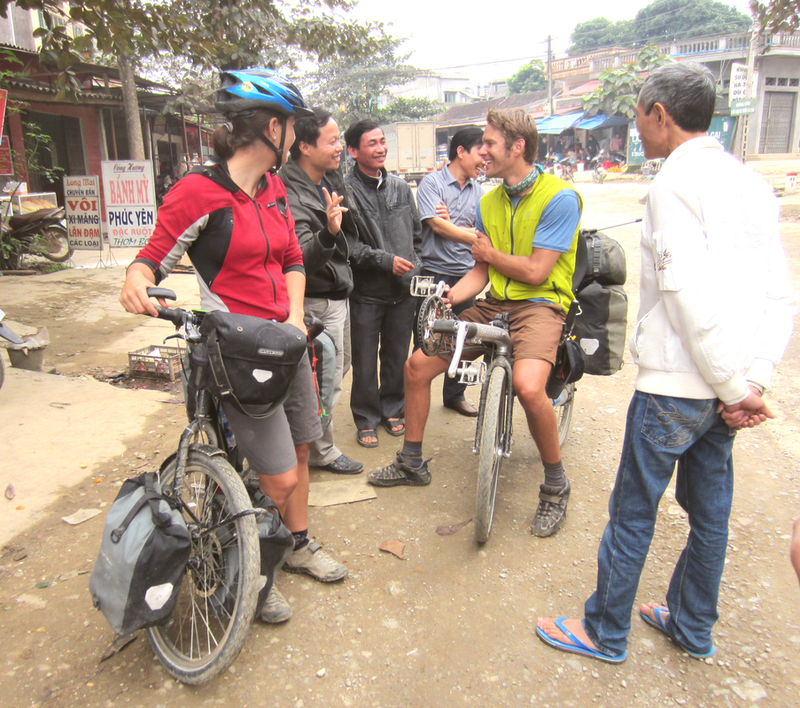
pixel 447 201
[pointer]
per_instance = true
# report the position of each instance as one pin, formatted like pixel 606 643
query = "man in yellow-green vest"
pixel 525 250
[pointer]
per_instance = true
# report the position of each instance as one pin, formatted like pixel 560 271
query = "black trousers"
pixel 452 391
pixel 379 332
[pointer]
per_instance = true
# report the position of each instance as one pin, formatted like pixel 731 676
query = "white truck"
pixel 411 149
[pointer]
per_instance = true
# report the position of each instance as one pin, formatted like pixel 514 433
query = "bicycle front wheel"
pixel 217 599
pixel 564 412
pixel 490 454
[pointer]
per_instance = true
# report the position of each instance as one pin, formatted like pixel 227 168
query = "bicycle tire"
pixel 490 453
pixel 216 604
pixel 564 413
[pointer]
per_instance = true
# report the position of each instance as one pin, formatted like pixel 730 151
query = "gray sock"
pixel 411 453
pixel 554 475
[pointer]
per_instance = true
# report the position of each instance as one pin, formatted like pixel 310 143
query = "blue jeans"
pixel 660 431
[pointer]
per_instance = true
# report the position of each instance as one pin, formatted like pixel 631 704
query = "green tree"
pixel 619 88
pixel 776 15
pixel 600 33
pixel 667 20
pixel 409 109
pixel 353 88
pixel 209 33
pixel 530 77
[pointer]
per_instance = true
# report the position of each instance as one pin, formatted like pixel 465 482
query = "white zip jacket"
pixel 716 304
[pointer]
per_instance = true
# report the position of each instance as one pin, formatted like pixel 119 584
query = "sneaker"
pixel 313 561
pixel 552 510
pixel 398 472
pixel 276 609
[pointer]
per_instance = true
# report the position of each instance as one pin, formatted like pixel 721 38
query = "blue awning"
pixel 553 125
pixel 601 121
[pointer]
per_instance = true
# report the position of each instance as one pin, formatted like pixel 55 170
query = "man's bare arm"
pixel 448 230
pixel 470 285
pixel 533 269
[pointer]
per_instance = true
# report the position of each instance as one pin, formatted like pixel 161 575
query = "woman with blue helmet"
pixel 231 216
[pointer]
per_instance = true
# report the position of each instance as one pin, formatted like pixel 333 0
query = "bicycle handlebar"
pixel 474 330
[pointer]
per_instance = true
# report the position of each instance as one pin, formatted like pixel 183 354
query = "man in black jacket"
pixel 384 259
pixel 326 232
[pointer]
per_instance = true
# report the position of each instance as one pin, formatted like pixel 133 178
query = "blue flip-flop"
pixel 577 646
pixel 659 624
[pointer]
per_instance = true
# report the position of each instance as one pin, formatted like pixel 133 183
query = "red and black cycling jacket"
pixel 241 247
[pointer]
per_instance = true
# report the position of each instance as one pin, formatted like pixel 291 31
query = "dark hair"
pixel 688 92
pixel 467 138
pixel 515 124
pixel 235 134
pixel 352 136
pixel 307 130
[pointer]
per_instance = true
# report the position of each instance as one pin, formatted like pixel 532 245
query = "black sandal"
pixel 362 435
pixel 390 423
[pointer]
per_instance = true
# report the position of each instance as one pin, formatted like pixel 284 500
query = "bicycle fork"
pixel 508 422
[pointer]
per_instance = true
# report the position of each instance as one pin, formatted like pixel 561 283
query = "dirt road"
pixel 451 625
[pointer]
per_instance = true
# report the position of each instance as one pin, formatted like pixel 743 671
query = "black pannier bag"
pixel 605 261
pixel 601 325
pixel 600 328
pixel 253 361
pixel 143 556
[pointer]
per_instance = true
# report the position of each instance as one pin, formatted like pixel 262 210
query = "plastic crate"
pixel 155 362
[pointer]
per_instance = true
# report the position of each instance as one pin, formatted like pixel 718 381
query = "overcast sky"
pixel 494 39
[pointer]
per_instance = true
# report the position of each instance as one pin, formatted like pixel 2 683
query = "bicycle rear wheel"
pixel 490 454
pixel 218 594
pixel 564 412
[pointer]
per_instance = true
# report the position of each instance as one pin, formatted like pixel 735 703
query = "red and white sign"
pixel 82 204
pixel 3 97
pixel 130 198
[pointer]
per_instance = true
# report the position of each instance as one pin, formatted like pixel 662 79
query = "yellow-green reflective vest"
pixel 512 230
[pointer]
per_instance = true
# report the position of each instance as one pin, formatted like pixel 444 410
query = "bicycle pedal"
pixel 472 373
pixel 422 286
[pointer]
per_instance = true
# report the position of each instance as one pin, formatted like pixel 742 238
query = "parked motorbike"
pixel 40 233
pixel 9 334
pixel 562 168
pixel 605 162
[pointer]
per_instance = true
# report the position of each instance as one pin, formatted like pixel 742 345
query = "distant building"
pixel 775 124
pixel 448 89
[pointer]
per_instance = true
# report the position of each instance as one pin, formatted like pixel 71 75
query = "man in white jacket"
pixel 705 359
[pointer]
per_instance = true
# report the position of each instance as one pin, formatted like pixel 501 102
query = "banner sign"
pixel 82 204
pixel 130 199
pixel 738 87
pixel 743 106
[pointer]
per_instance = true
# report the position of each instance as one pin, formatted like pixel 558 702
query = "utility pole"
pixel 750 91
pixel 550 76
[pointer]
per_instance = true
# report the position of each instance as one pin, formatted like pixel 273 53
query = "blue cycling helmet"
pixel 250 89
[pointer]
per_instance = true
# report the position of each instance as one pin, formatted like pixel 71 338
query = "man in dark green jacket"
pixel 326 232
